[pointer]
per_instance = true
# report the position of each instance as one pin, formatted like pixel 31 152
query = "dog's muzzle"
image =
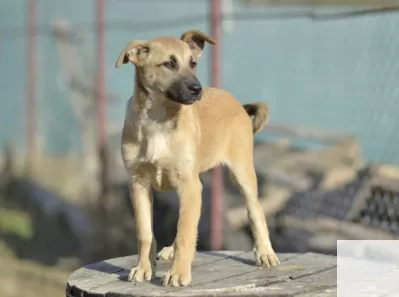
pixel 195 89
pixel 185 91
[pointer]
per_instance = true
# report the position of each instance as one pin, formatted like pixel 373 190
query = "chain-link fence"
pixel 313 66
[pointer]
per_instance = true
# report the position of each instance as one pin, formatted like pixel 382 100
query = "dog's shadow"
pixel 123 273
pixel 236 258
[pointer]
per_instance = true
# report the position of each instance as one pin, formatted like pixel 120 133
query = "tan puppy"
pixel 174 130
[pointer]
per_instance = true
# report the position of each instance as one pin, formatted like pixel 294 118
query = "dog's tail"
pixel 260 113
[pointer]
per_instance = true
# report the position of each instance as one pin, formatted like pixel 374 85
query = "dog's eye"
pixel 169 64
pixel 193 63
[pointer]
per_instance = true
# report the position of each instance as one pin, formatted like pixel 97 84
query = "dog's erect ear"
pixel 196 40
pixel 136 51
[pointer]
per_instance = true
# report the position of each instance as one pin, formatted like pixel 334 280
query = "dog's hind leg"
pixel 140 194
pixel 245 177
pixel 166 253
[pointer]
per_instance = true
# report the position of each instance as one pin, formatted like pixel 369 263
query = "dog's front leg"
pixel 140 194
pixel 189 195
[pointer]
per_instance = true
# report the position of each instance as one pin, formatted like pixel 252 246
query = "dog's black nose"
pixel 195 89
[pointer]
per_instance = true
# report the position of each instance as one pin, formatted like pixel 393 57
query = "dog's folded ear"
pixel 196 40
pixel 135 51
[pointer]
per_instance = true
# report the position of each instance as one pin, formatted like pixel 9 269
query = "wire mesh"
pixel 368 200
pixel 380 209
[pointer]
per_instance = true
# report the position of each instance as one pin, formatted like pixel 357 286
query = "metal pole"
pixel 101 113
pixel 217 173
pixel 100 78
pixel 31 86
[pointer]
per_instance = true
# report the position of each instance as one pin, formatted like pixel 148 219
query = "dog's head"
pixel 167 66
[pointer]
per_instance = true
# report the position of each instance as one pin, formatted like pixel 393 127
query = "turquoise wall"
pixel 340 75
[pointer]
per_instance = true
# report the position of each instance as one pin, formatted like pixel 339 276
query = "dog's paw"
pixel 268 258
pixel 176 278
pixel 140 273
pixel 166 253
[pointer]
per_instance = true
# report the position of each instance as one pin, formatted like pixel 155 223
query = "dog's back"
pixel 226 126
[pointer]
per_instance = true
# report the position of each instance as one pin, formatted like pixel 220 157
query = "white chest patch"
pixel 155 147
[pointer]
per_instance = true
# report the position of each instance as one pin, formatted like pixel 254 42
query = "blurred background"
pixel 327 162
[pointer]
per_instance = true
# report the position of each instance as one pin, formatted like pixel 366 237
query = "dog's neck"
pixel 151 108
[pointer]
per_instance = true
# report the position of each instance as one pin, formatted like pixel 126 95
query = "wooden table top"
pixel 223 273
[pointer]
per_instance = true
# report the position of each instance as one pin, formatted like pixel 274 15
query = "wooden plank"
pixel 319 282
pixel 214 274
pixel 127 288
pixel 291 180
pixel 325 242
pixel 291 267
pixel 228 269
pixel 352 230
pixel 277 146
pixel 308 133
pixel 339 155
pixel 388 171
pixel 342 151
pixel 337 178
pixel 332 292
